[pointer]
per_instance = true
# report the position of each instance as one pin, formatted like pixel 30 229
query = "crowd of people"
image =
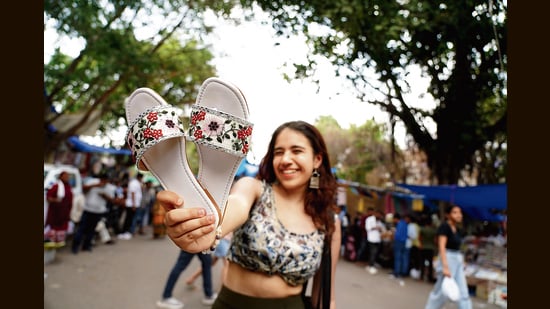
pixel 403 242
pixel 119 208
pixel 114 206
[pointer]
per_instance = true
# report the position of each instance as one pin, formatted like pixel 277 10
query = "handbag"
pixel 323 300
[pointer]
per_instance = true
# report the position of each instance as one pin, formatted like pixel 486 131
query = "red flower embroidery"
pixel 153 116
pixel 198 117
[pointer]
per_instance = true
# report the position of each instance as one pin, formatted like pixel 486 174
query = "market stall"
pixel 485 252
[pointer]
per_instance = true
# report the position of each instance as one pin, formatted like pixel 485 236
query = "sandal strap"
pixel 220 130
pixel 151 127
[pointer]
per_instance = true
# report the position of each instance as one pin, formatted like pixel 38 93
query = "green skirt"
pixel 228 299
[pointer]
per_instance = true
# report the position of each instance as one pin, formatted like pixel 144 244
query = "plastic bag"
pixel 414 273
pixel 450 288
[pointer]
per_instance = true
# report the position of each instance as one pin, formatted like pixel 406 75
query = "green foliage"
pixel 459 45
pixel 357 151
pixel 116 58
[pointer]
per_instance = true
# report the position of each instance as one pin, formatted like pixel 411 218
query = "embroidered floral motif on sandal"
pixel 151 127
pixel 220 130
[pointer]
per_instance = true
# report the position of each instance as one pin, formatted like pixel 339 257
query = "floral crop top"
pixel 263 244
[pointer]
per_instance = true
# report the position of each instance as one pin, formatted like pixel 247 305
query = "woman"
pixel 279 222
pixel 451 261
pixel 60 203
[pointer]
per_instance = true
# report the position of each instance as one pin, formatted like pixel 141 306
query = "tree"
pixel 117 59
pixel 459 45
pixel 360 153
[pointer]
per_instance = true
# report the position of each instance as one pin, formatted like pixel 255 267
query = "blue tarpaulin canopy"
pixel 82 146
pixel 247 169
pixel 482 202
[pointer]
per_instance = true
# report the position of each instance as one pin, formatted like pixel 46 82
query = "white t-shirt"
pixel 373 235
pixel 95 203
pixel 412 233
pixel 134 186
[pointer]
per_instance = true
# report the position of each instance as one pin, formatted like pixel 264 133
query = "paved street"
pixel 132 273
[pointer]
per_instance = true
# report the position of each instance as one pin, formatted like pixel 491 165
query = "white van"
pixel 51 172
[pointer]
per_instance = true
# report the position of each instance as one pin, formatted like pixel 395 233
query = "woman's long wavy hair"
pixel 320 203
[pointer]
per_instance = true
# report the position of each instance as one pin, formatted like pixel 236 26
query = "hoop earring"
pixel 314 180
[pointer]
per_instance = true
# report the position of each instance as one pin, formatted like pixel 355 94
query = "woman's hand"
pixel 446 272
pixel 189 228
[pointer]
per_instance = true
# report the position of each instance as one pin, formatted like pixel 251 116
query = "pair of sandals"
pixel 219 126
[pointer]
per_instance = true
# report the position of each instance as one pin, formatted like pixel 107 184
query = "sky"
pixel 246 56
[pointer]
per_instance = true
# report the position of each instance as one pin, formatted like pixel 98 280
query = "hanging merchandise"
pixel 361 205
pixel 417 205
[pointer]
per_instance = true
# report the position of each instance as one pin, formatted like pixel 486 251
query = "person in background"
pixel 98 192
pixel 133 201
pixel 148 215
pixel 184 258
pixel 378 228
pixel 427 251
pixel 413 244
pixel 374 239
pixel 362 237
pixel 60 203
pixel 344 219
pixel 400 251
pixel 219 254
pixel 159 228
pixel 114 207
pixel 353 239
pixel 450 261
pixel 279 219
pixel 141 216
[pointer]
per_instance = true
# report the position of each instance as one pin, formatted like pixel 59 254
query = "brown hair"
pixel 320 203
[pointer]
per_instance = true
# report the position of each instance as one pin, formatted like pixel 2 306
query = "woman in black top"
pixel 451 261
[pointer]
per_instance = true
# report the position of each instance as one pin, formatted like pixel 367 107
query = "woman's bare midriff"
pixel 257 284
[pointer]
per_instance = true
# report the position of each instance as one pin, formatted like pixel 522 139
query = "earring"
pixel 314 180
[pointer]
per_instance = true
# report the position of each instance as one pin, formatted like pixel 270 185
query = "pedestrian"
pixel 184 258
pixel 133 201
pixel 374 228
pixel 400 250
pixel 427 251
pixel 60 202
pixel 219 254
pixel 413 244
pixel 279 221
pixel 450 261
pixel 98 191
pixel 362 251
pixel 141 216
pixel 114 207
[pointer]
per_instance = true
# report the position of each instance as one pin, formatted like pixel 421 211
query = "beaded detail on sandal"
pixel 220 130
pixel 151 127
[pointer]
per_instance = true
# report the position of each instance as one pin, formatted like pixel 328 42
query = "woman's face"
pixel 456 214
pixel 293 159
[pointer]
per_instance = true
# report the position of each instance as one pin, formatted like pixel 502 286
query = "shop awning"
pixel 247 169
pixel 79 145
pixel 484 202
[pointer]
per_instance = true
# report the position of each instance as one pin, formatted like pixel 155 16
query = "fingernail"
pixel 179 201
